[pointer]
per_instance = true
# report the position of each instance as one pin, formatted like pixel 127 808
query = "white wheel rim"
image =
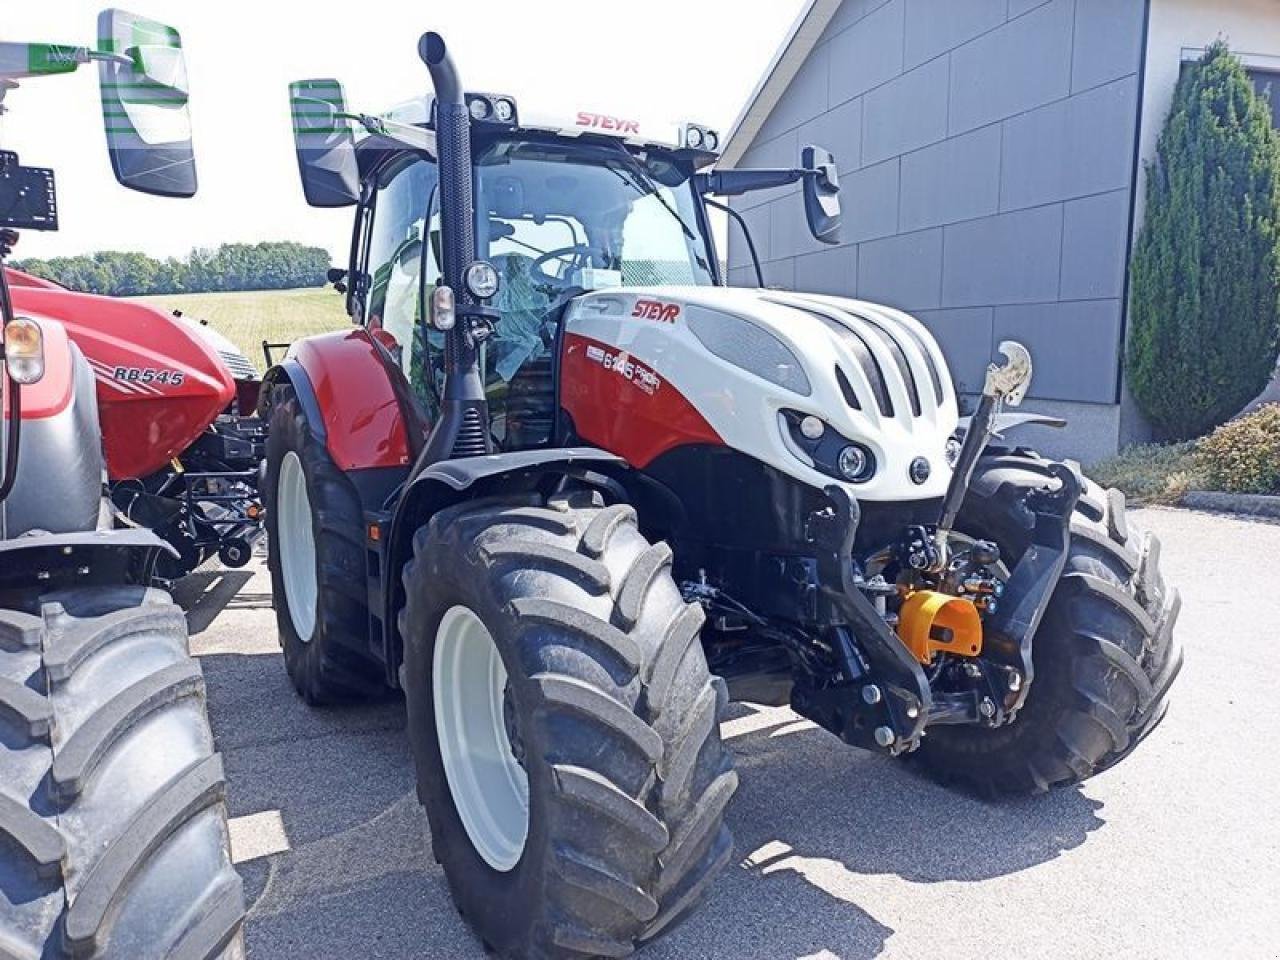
pixel 296 543
pixel 489 787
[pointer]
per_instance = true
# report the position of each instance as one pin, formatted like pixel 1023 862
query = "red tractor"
pixel 192 475
pixel 571 494
pixel 113 832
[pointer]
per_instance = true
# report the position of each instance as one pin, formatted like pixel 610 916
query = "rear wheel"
pixel 113 824
pixel 564 726
pixel 1104 653
pixel 315 527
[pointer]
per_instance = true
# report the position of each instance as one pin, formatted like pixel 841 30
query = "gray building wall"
pixel 986 152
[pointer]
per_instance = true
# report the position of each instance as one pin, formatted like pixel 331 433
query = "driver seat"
pixel 524 339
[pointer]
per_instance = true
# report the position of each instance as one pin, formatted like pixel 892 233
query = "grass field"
pixel 248 318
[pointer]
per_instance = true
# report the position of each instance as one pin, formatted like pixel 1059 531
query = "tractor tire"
pixel 610 720
pixel 1104 653
pixel 113 821
pixel 315 529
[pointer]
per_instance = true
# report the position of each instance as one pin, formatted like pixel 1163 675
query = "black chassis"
pixel 792 620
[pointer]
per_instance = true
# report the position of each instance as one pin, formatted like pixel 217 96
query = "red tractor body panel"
pixel 19 279
pixel 362 417
pixel 159 384
pixel 619 404
pixel 51 394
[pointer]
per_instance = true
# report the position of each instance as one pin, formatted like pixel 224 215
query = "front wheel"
pixel 1104 653
pixel 564 726
pixel 113 819
pixel 315 528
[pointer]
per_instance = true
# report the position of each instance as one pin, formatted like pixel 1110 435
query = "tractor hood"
pixel 752 363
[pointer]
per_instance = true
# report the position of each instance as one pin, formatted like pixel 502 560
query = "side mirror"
pixel 144 105
pixel 325 143
pixel 163 66
pixel 821 194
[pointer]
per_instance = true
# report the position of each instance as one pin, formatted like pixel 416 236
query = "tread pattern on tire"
pixel 132 857
pixel 1105 654
pixel 336 665
pixel 659 789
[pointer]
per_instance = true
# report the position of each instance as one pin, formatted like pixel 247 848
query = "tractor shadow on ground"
pixel 822 829
pixel 208 591
pixel 350 864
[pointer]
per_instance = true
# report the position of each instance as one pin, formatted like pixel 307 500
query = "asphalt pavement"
pixel 1174 853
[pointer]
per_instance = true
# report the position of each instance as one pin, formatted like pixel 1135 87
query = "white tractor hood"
pixel 743 356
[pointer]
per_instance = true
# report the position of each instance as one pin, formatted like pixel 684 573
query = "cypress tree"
pixel 1205 276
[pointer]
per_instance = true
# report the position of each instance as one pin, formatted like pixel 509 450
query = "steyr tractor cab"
pixel 571 493
pixel 113 821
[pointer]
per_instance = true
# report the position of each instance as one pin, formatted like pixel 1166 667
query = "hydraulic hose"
pixel 13 420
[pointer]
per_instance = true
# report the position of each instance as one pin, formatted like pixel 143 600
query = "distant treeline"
pixel 233 266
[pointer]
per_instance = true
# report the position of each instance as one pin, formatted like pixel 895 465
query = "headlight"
pixel 852 462
pixel 479 108
pixel 919 470
pixel 481 280
pixel 825 449
pixel 750 348
pixel 504 110
pixel 711 141
pixel 24 350
pixel 443 313
pixel 693 138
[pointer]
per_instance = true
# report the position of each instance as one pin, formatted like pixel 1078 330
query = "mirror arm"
pixel 746 233
pixel 109 57
pixel 734 183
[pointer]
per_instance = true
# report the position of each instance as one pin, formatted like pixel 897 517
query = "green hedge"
pixel 1243 456
pixel 232 266
pixel 1205 276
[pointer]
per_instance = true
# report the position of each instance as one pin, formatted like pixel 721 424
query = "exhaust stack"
pixel 463 428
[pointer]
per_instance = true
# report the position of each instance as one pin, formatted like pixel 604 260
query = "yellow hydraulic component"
pixel 930 622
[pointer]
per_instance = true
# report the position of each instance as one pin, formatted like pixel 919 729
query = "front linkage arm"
pixel 1008 634
pixel 881 699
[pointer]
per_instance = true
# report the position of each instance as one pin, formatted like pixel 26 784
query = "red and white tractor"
pixel 571 494
pixel 113 832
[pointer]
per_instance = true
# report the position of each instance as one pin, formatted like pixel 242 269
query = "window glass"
pixel 556 219
pixel 395 257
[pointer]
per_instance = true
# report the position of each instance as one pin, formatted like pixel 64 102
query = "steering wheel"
pixel 573 255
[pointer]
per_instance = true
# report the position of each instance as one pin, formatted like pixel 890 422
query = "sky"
pixel 683 59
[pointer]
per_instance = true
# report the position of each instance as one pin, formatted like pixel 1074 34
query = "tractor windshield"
pixel 558 218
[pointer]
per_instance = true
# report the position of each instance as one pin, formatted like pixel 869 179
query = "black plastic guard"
pixel 40 563
pixel 1008 635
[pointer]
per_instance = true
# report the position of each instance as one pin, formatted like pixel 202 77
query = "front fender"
pixel 447 482
pixel 345 387
pixel 58 484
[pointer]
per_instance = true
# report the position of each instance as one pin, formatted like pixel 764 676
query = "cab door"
pixel 395 266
